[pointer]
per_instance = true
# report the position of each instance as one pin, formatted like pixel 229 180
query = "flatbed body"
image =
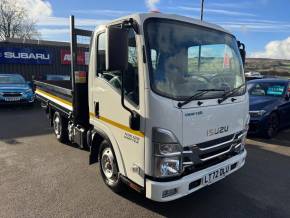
pixel 55 93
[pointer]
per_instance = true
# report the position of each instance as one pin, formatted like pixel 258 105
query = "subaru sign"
pixel 24 56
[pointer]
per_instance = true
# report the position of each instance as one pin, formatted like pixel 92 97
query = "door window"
pixel 131 78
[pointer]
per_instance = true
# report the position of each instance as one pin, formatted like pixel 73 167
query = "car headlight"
pixel 167 154
pixel 258 113
pixel 28 92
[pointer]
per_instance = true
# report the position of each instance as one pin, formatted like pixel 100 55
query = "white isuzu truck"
pixel 163 107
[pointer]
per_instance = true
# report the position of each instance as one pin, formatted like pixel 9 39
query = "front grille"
pixel 215 141
pixel 207 153
pixel 215 152
pixel 12 94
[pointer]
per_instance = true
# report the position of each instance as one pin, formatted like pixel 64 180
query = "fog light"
pixel 169 192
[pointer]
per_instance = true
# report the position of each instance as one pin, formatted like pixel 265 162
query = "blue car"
pixel 15 90
pixel 269 106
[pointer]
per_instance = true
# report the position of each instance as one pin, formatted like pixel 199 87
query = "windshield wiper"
pixel 230 93
pixel 196 95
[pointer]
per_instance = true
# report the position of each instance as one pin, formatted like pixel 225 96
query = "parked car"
pixel 253 75
pixel 269 106
pixel 14 89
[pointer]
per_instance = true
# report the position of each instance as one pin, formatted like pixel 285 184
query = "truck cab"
pixel 167 104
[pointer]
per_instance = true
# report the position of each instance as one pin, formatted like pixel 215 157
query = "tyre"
pixel 109 167
pixel 272 126
pixel 60 127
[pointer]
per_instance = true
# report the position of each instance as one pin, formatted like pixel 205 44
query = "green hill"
pixel 265 66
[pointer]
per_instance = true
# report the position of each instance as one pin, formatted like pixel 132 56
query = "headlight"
pixel 28 92
pixel 258 113
pixel 168 149
pixel 167 154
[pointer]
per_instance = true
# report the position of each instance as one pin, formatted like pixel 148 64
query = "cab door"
pixel 108 111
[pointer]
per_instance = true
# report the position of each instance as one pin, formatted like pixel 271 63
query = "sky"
pixel 263 25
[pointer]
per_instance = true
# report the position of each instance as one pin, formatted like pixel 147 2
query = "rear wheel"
pixel 60 127
pixel 272 125
pixel 109 167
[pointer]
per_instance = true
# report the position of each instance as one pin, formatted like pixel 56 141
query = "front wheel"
pixel 272 126
pixel 109 167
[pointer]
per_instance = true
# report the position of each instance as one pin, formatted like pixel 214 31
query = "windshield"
pixel 185 58
pixel 11 79
pixel 267 89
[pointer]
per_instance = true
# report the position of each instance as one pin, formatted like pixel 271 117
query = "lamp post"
pixel 201 10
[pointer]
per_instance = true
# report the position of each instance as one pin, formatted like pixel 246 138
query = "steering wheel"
pixel 202 77
pixel 201 82
pixel 219 81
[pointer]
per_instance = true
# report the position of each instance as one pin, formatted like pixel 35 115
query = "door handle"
pixel 97 109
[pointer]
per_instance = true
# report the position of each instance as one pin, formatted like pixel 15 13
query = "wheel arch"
pixel 277 112
pixel 97 135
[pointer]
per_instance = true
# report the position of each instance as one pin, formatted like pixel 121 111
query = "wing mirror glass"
pixel 117 49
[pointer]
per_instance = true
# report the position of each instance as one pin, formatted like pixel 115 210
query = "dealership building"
pixel 39 59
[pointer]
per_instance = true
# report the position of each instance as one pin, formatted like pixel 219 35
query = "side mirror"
pixel 242 49
pixel 29 83
pixel 117 49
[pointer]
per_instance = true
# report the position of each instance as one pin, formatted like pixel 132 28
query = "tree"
pixel 15 22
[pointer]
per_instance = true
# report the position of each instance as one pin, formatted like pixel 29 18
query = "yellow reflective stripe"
pixel 118 125
pixel 53 96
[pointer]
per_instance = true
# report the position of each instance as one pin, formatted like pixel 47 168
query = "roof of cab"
pixel 141 17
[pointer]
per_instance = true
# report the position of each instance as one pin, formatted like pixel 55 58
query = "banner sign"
pixel 24 56
pixel 82 57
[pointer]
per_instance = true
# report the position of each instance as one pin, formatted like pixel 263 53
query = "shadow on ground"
pixel 282 139
pixel 259 189
pixel 21 121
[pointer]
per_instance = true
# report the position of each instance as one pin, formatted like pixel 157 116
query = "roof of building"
pixel 39 42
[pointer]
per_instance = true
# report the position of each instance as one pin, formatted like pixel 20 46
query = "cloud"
pixel 64 21
pixel 51 31
pixel 229 5
pixel 57 28
pixel 279 49
pixel 217 11
pixel 103 12
pixel 252 25
pixel 152 4
pixel 36 8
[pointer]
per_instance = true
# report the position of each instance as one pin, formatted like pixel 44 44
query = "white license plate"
pixel 12 99
pixel 216 175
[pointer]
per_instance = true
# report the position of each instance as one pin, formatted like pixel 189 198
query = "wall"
pixel 39 71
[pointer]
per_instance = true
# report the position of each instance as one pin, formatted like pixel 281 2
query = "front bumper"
pixel 22 100
pixel 155 190
pixel 257 126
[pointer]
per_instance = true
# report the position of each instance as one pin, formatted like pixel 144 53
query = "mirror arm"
pixel 131 24
pixel 134 118
pixel 123 96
